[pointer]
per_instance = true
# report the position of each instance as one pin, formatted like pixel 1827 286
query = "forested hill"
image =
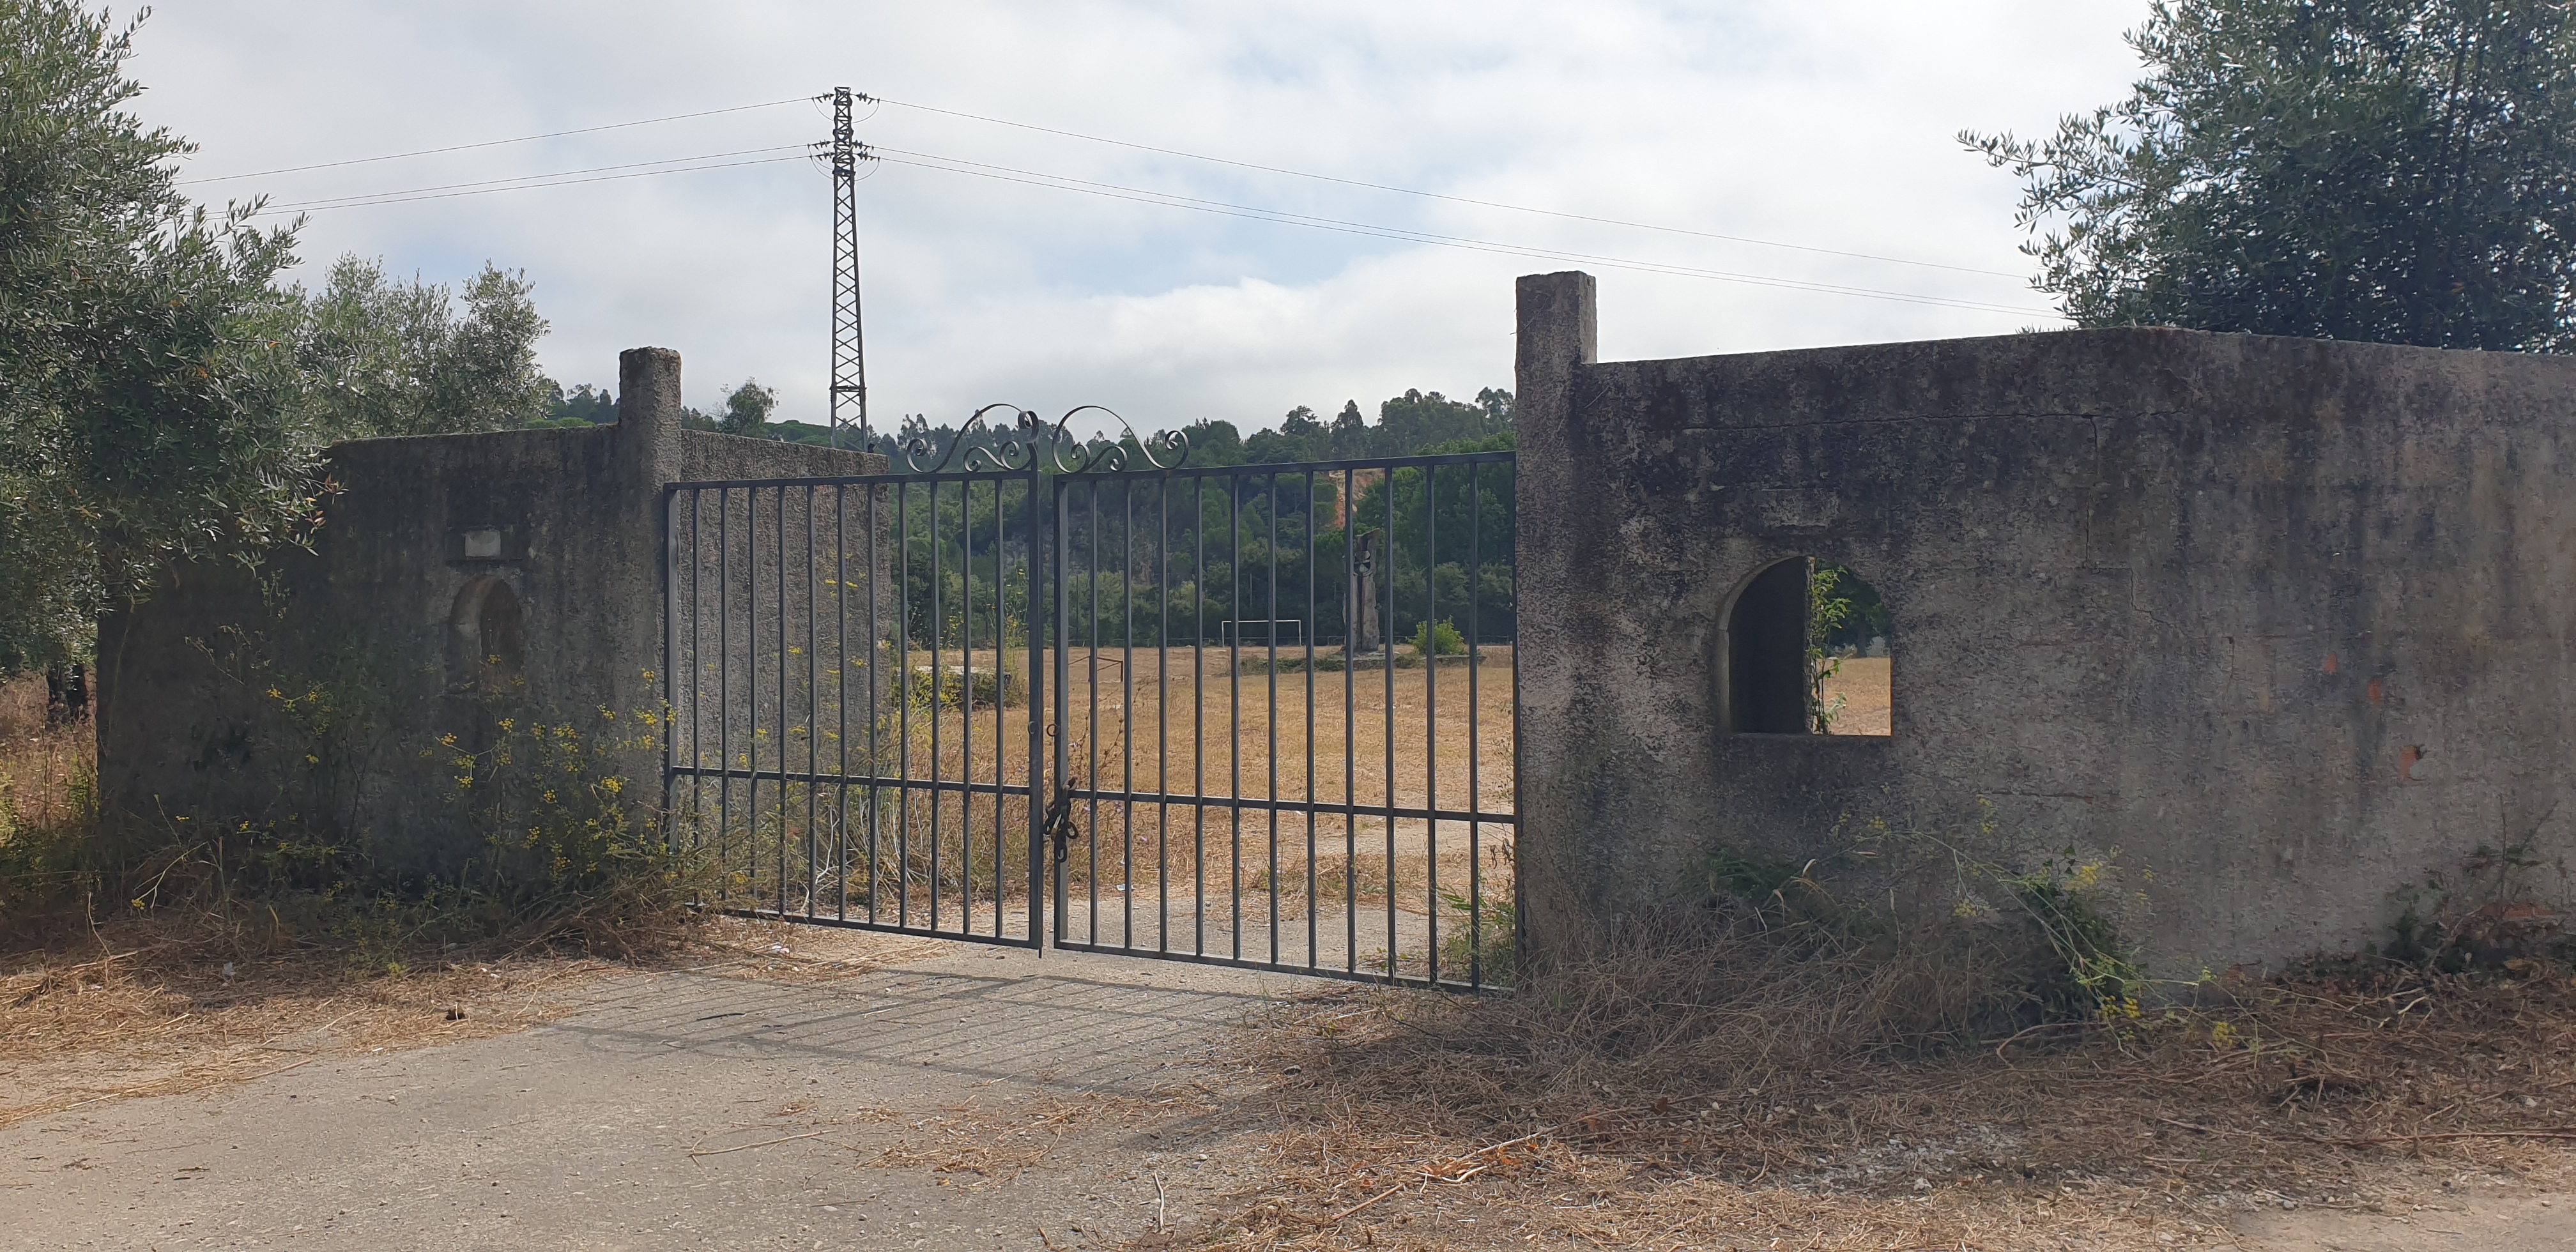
pixel 1406 425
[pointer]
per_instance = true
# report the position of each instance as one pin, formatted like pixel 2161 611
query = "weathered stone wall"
pixel 2286 625
pixel 385 616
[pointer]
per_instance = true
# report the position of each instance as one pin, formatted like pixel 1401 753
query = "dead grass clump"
pixel 162 1004
pixel 1734 995
pixel 979 1147
pixel 642 907
pixel 1596 1106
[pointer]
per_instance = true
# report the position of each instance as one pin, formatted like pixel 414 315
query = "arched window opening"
pixel 1855 664
pixel 487 640
pixel 1809 653
pixel 1766 653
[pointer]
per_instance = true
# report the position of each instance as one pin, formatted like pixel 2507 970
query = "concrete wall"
pixel 2286 624
pixel 383 617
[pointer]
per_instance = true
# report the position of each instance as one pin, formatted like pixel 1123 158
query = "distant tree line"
pixel 1169 560
pixel 1407 425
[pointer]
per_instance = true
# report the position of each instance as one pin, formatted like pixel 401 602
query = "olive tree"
pixel 2392 170
pixel 148 400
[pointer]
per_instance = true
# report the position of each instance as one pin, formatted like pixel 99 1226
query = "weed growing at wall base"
pixel 2101 970
pixel 572 848
pixel 1482 938
pixel 563 847
pixel 2486 912
pixel 1972 949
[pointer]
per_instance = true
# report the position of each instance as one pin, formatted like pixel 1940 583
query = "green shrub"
pixel 1481 939
pixel 990 687
pixel 1439 638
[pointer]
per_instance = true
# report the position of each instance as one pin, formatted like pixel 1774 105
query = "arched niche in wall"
pixel 487 640
pixel 1807 649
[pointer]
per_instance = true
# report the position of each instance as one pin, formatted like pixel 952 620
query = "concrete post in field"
pixel 1364 627
pixel 1559 334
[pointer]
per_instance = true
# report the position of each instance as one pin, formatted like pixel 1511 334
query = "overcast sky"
pixel 1820 124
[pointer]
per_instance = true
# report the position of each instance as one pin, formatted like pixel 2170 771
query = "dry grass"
pixel 975 1147
pixel 1642 1102
pixel 1204 725
pixel 47 781
pixel 810 955
pixel 100 1001
pixel 164 1004
pixel 1865 685
pixel 179 1001
pixel 22 707
pixel 156 1006
pixel 1216 723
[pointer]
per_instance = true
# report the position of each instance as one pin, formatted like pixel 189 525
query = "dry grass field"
pixel 1155 864
pixel 1864 685
pixel 1219 722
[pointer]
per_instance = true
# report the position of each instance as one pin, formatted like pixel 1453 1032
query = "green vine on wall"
pixel 1828 609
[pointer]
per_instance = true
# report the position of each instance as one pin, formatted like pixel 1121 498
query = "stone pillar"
pixel 648 408
pixel 1559 329
pixel 1556 843
pixel 645 455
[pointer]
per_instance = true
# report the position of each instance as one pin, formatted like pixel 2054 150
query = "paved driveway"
pixel 690 1110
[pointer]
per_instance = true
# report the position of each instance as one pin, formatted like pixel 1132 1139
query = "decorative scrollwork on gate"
pixel 1017 447
pixel 1112 455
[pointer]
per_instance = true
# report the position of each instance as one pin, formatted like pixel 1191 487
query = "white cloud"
pixel 1825 124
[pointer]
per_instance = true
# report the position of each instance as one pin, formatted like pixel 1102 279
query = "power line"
pixel 1434 195
pixel 495 183
pixel 1140 196
pixel 419 193
pixel 361 202
pixel 1195 156
pixel 492 143
pixel 953 165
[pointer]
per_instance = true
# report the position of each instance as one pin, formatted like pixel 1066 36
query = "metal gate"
pixel 1045 693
